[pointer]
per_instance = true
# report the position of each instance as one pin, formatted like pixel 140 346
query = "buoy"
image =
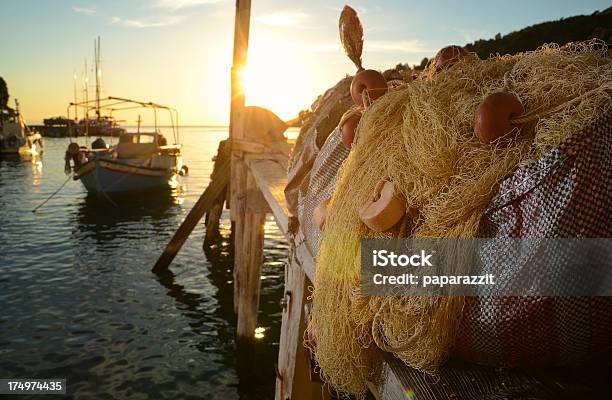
pixel 184 170
pixel 492 120
pixel 372 81
pixel 320 213
pixel 385 209
pixel 349 129
pixel 447 56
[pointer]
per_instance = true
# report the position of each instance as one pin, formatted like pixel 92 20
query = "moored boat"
pixel 16 138
pixel 139 161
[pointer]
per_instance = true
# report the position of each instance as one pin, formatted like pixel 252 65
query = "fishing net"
pixel 320 187
pixel 420 136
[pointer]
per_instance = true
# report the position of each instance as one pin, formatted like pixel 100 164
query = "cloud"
pixel 178 4
pixel 396 46
pixel 283 18
pixel 84 10
pixel 149 22
pixel 374 46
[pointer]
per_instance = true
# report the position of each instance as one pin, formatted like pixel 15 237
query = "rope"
pixel 53 194
pixel 534 115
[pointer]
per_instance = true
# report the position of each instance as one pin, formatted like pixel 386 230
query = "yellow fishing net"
pixel 421 137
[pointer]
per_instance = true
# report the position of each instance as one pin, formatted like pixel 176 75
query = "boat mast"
pixel 85 86
pixel 98 75
pixel 76 111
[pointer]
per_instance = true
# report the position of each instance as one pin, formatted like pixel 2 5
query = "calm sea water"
pixel 78 300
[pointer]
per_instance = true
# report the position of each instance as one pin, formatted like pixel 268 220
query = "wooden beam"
pixel 248 273
pixel 271 179
pixel 291 334
pixel 205 202
pixel 238 212
pixel 212 220
pixel 241 49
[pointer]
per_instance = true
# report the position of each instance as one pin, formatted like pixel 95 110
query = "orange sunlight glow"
pixel 275 78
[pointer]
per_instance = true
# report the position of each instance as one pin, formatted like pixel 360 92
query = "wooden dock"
pixel 258 178
pixel 260 189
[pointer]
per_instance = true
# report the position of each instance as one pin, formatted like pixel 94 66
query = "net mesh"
pixel 420 136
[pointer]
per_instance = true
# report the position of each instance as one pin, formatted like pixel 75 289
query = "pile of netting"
pixel 421 137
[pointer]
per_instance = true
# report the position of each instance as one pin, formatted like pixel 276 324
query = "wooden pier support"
pixel 248 257
pixel 213 215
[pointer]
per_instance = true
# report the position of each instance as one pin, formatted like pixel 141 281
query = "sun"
pixel 275 78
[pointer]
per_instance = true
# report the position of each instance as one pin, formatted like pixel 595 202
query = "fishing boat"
pixel 16 138
pixel 141 160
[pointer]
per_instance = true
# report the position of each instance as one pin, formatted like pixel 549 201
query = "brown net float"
pixel 447 56
pixel 493 118
pixel 367 86
pixel 349 129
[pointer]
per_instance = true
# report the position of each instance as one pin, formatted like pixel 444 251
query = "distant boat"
pixel 141 160
pixel 100 125
pixel 16 138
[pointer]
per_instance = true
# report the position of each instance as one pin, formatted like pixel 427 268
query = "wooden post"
pixel 214 213
pixel 248 273
pixel 293 379
pixel 248 246
pixel 238 168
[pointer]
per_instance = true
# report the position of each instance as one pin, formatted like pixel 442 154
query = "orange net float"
pixel 385 209
pixel 349 130
pixel 372 82
pixel 494 120
pixel 448 56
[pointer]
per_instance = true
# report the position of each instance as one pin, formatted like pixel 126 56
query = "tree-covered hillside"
pixel 572 29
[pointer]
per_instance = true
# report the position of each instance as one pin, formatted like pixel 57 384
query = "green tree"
pixel 4 94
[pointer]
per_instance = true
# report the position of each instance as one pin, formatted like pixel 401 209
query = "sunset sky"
pixel 178 52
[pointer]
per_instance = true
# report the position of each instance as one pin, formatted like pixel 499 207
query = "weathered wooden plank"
pixel 307 385
pixel 212 220
pixel 237 211
pixel 271 179
pixel 248 273
pixel 290 339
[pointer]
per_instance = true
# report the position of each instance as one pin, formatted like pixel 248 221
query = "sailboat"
pixel 141 160
pixel 101 125
pixel 16 138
